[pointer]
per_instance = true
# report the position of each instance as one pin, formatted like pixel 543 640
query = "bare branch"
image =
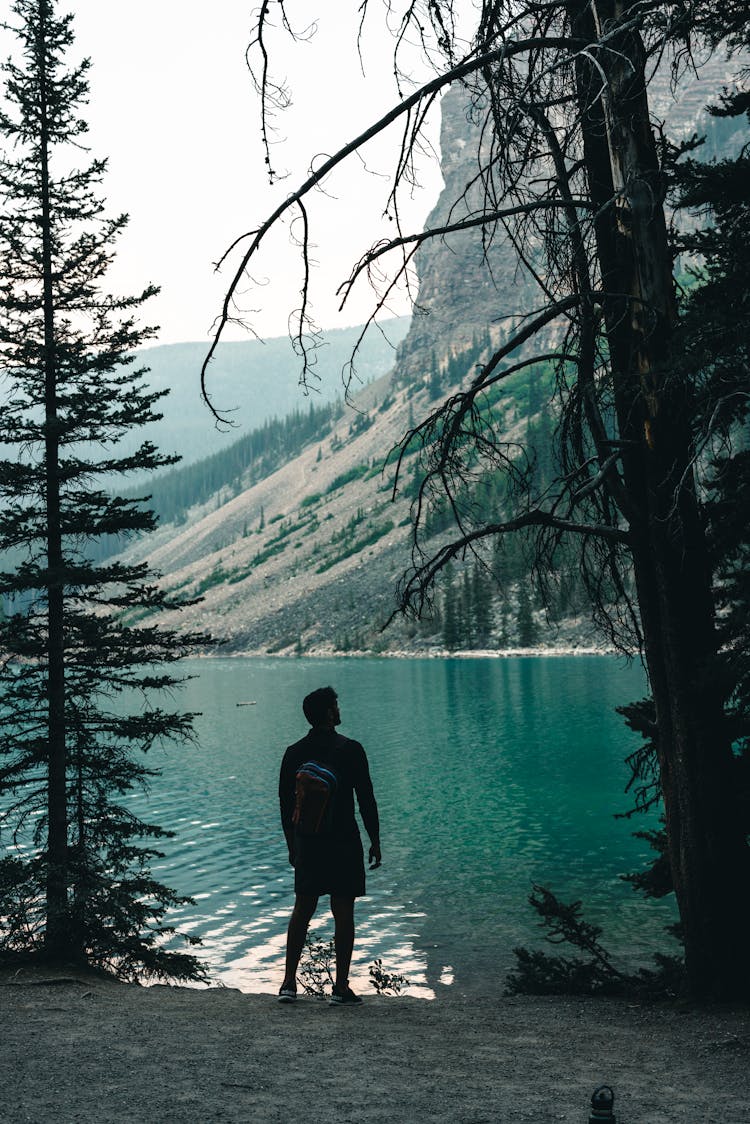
pixel 482 220
pixel 428 90
pixel 418 583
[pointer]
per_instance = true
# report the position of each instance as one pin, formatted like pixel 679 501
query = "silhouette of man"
pixel 331 862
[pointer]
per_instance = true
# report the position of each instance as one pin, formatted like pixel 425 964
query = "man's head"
pixel 321 707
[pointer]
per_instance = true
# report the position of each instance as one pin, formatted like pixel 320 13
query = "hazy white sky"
pixel 173 108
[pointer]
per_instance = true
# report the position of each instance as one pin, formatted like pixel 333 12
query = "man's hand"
pixel 375 857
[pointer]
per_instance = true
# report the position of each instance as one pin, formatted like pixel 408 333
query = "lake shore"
pixel 85 1049
pixel 326 652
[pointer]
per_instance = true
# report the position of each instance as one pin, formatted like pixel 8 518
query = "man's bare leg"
pixel 343 915
pixel 304 908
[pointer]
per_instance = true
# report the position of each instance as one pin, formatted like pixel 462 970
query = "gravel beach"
pixel 84 1049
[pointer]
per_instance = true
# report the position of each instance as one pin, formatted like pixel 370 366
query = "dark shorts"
pixel 329 865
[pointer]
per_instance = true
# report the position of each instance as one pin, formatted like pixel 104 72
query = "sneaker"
pixel 287 994
pixel 341 996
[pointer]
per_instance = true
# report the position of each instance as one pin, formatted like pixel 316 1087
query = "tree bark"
pixel 57 933
pixel 708 854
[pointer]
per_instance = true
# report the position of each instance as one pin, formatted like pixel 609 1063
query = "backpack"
pixel 314 798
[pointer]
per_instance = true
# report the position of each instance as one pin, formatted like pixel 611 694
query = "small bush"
pixel 386 983
pixel 308 501
pixel 538 973
pixel 368 539
pixel 317 970
pixel 217 576
pixel 317 967
pixel 355 473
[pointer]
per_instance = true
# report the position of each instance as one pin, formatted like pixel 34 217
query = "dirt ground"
pixel 77 1049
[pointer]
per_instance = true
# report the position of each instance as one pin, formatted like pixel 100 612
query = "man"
pixel 330 861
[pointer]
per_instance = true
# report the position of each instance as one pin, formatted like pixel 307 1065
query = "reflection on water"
pixel 490 774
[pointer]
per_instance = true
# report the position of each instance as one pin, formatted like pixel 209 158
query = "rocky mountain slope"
pixel 308 559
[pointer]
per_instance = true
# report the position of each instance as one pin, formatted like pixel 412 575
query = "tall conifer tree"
pixel 78 674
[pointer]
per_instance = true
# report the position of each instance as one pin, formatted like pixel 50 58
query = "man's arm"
pixel 368 807
pixel 286 802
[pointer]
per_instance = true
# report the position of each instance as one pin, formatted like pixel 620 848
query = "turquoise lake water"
pixel 491 774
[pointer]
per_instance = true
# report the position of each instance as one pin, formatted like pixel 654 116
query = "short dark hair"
pixel 317 704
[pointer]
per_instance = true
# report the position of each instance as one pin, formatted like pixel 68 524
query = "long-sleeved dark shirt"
pixel 349 760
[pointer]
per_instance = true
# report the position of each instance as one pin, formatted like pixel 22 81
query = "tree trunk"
pixel 709 858
pixel 57 933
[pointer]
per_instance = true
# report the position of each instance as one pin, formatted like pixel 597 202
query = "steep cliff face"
pixel 465 285
pixel 679 100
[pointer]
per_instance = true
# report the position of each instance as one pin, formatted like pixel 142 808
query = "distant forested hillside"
pixel 248 459
pixel 254 380
pixel 224 474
